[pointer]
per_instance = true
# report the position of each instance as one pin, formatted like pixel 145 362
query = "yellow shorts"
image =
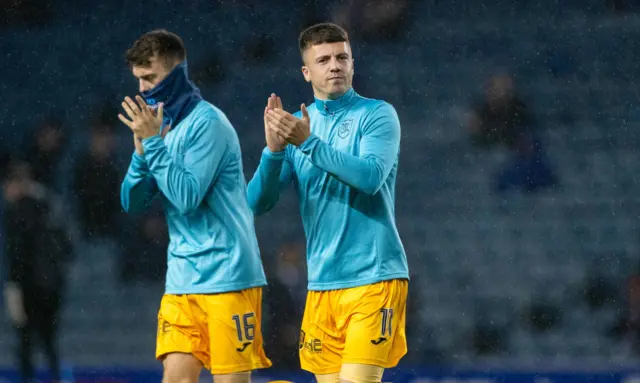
pixel 221 330
pixel 360 325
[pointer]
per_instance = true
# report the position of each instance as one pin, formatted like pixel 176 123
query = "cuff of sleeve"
pixel 268 154
pixel 152 143
pixel 308 145
pixel 138 158
pixel 138 162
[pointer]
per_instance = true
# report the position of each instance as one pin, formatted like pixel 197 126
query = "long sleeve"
pixel 185 185
pixel 379 148
pixel 273 173
pixel 138 187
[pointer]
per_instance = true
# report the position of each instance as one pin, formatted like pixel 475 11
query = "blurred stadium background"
pixel 518 194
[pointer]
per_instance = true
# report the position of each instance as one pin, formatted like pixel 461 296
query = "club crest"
pixel 345 128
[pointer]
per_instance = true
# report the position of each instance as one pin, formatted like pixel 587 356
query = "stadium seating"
pixel 477 255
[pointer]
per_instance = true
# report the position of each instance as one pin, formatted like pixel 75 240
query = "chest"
pixel 342 132
pixel 176 142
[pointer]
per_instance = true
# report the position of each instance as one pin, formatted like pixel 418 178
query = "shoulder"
pixel 375 112
pixel 209 124
pixel 207 113
pixel 371 108
pixel 207 119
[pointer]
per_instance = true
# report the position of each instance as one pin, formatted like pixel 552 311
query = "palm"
pixel 275 143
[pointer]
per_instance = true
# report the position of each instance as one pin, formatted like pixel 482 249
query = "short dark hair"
pixel 320 34
pixel 160 42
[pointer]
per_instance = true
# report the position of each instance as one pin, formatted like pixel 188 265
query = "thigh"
pixel 361 373
pixel 179 329
pixel 321 342
pixel 180 368
pixel 328 378
pixel 234 322
pixel 239 377
pixel 375 317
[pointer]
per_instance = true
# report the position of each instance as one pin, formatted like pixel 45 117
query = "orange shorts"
pixel 221 330
pixel 360 325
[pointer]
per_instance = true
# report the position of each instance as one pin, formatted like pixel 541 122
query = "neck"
pixel 334 102
pixel 178 94
pixel 328 96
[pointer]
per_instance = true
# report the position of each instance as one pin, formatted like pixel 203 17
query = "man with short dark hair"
pixel 342 154
pixel 188 152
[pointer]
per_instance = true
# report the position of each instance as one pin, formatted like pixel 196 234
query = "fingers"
pixel 132 106
pixel 271 119
pixel 285 132
pixel 274 102
pixel 160 113
pixel 271 102
pixel 128 110
pixel 283 114
pixel 284 135
pixel 305 113
pixel 125 121
pixel 144 108
pixel 280 119
pixel 280 131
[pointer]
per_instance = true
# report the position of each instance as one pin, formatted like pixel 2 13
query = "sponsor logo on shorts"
pixel 244 346
pixel 164 327
pixel 379 340
pixel 312 345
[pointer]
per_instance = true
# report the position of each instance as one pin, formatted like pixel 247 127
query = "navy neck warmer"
pixel 177 93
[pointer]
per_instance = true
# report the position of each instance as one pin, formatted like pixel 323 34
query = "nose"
pixel 335 65
pixel 142 86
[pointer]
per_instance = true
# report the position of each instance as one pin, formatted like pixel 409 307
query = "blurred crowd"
pixel 61 192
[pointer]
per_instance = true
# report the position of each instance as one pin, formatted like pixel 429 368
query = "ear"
pixel 306 74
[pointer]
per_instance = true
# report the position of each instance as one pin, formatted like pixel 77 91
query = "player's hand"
pixel 137 141
pixel 142 121
pixel 294 130
pixel 275 143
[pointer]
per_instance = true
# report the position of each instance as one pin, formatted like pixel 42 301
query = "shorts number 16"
pixel 246 325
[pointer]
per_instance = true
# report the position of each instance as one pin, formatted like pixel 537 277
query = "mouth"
pixel 339 78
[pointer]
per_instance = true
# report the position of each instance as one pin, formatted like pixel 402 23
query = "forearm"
pixel 263 190
pixel 138 187
pixel 363 173
pixel 177 184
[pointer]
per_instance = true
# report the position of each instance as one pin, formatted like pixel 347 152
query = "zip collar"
pixel 332 106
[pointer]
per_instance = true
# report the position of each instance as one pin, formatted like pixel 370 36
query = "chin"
pixel 337 90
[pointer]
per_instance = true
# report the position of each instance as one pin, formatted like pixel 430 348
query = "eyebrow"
pixel 147 77
pixel 342 54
